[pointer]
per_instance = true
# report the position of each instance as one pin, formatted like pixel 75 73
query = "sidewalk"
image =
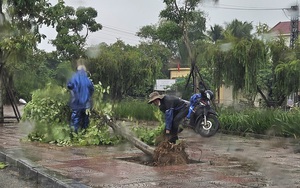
pixel 225 161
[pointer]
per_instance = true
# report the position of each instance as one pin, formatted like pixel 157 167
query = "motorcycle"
pixel 204 119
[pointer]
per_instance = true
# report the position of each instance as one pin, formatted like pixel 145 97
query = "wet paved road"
pixel 11 179
pixel 226 161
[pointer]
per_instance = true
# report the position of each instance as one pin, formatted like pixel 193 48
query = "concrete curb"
pixel 43 177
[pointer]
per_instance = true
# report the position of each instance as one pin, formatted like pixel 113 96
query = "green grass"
pixel 135 109
pixel 262 121
pixel 251 120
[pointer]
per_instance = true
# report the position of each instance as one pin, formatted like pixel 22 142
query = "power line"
pixel 235 6
pixel 120 34
pixel 118 29
pixel 232 7
pixel 135 37
pixel 113 37
pixel 113 33
pixel 284 11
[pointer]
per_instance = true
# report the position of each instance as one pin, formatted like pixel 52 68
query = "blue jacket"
pixel 82 89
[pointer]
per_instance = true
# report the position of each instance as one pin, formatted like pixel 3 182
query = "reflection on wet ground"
pixel 225 161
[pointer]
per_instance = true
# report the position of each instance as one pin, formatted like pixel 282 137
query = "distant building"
pixel 163 84
pixel 175 73
pixel 179 72
pixel 283 29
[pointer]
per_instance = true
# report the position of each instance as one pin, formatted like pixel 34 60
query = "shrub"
pixel 50 113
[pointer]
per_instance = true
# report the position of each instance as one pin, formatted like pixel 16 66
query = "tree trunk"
pixel 125 133
pixel 1 100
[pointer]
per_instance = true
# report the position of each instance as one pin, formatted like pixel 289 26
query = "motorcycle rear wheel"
pixel 211 127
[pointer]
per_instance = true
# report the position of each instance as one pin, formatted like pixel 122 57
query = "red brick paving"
pixel 227 161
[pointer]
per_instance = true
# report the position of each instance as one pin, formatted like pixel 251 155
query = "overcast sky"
pixel 121 19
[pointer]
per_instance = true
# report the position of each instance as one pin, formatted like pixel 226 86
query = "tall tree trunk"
pixel 1 100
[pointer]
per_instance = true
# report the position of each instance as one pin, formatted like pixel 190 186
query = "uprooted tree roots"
pixel 167 153
pixel 164 154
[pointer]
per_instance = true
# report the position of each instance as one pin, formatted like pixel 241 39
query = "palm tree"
pixel 216 33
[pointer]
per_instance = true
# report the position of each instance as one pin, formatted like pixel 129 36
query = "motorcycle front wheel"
pixel 211 127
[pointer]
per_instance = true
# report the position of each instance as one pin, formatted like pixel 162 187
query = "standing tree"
pixel 216 33
pixel 253 64
pixel 19 35
pixel 19 28
pixel 237 59
pixel 125 69
pixel 181 24
pixel 73 27
pixel 278 82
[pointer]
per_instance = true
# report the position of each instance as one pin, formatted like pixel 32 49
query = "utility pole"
pixel 294 12
pixel 294 25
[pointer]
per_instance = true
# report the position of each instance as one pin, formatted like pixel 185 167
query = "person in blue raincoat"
pixel 81 89
pixel 175 110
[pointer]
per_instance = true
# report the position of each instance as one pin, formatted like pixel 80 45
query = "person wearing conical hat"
pixel 175 110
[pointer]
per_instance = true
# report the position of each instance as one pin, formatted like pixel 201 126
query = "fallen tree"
pixel 164 154
pixel 125 133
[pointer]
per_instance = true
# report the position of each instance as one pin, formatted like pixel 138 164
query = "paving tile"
pixel 223 161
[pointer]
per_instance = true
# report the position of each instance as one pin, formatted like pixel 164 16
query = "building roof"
pixel 283 28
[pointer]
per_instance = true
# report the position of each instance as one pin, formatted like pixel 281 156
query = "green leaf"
pixel 3 165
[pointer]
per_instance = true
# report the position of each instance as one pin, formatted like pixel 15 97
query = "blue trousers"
pixel 79 119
